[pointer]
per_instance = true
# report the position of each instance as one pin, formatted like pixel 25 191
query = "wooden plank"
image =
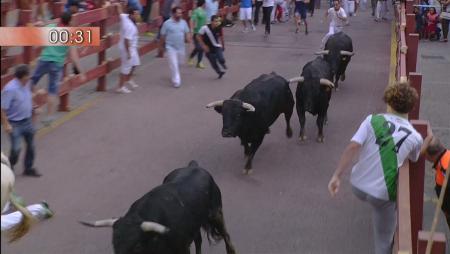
pixel 415 80
pixel 148 47
pixel 10 61
pixel 88 17
pixel 439 242
pixel 6 7
pixel 404 210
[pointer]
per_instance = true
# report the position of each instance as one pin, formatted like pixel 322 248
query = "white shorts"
pixel 245 13
pixel 127 64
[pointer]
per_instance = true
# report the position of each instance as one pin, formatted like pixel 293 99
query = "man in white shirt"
pixel 381 145
pixel 174 34
pixel 338 19
pixel 128 47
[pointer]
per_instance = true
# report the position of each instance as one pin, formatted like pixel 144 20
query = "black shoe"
pixel 221 74
pixel 32 172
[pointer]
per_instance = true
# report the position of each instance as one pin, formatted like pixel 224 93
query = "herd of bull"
pixel 170 217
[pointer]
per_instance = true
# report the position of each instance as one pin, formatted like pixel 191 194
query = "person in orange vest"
pixel 436 153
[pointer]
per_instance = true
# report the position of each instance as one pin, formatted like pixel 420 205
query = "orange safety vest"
pixel 441 167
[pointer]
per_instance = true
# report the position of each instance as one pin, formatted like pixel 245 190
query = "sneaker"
pixel 253 28
pixel 245 30
pixel 132 84
pixel 221 74
pixel 201 65
pixel 176 85
pixel 31 172
pixel 48 213
pixel 123 90
pixel 191 62
pixel 48 120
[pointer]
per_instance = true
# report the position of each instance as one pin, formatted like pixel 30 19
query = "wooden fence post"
pixel 439 242
pixel 101 83
pixel 415 80
pixel 416 186
pixel 409 6
pixel 412 41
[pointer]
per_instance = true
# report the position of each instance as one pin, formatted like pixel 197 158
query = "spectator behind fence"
pixel 445 21
pixel 51 62
pixel 437 154
pixel 432 32
pixel 174 34
pixel 381 145
pixel 208 37
pixel 128 47
pixel 16 113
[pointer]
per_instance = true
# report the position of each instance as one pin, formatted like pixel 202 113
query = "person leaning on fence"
pixel 16 118
pixel 174 34
pixel 128 47
pixel 381 145
pixel 208 37
pixel 51 62
pixel 437 154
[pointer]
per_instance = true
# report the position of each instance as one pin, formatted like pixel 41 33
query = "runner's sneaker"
pixel 48 213
pixel 191 62
pixel 123 90
pixel 132 84
pixel 253 27
pixel 200 65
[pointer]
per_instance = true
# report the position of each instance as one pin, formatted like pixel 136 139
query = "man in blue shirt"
pixel 16 112
pixel 245 14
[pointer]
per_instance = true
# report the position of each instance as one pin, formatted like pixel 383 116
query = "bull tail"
pixel 25 224
pixel 214 227
pixel 99 223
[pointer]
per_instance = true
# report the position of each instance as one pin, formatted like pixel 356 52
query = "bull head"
pixel 232 114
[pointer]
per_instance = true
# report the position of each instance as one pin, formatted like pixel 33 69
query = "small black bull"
pixel 250 112
pixel 313 94
pixel 168 219
pixel 338 53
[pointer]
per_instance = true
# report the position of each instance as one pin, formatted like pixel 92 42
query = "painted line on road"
pixel 393 63
pixel 68 116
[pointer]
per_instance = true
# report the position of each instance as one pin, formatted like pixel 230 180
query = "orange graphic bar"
pixel 49 36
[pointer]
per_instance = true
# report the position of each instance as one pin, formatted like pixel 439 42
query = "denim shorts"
pixel 301 9
pixel 54 71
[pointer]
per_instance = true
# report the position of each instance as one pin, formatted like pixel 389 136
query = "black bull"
pixel 338 52
pixel 168 219
pixel 314 93
pixel 250 112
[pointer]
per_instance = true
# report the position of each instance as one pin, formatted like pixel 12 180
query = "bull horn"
pixel 346 53
pixel 297 79
pixel 99 223
pixel 326 82
pixel 148 226
pixel 322 52
pixel 214 104
pixel 248 106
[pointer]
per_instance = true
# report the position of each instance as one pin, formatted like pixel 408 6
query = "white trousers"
pixel 331 30
pixel 381 9
pixel 175 58
pixel 10 220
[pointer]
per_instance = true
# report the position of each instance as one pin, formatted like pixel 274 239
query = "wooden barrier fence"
pixel 409 238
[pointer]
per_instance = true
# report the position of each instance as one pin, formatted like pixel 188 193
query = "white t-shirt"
pixel 268 3
pixel 129 31
pixel 333 14
pixel 387 141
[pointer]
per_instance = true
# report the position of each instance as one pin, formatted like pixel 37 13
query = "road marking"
pixel 66 117
pixel 393 63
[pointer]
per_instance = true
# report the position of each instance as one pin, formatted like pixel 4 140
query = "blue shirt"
pixel 175 33
pixel 17 100
pixel 246 3
pixel 211 8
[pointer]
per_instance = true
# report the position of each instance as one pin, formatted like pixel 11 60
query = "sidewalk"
pixel 433 61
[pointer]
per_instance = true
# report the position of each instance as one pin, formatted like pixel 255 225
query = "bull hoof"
pixel 289 133
pixel 302 138
pixel 320 139
pixel 247 171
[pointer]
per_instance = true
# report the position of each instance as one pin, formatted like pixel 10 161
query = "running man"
pixel 338 20
pixel 301 9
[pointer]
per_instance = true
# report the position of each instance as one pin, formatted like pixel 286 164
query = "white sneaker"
pixel 132 84
pixel 253 27
pixel 123 89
